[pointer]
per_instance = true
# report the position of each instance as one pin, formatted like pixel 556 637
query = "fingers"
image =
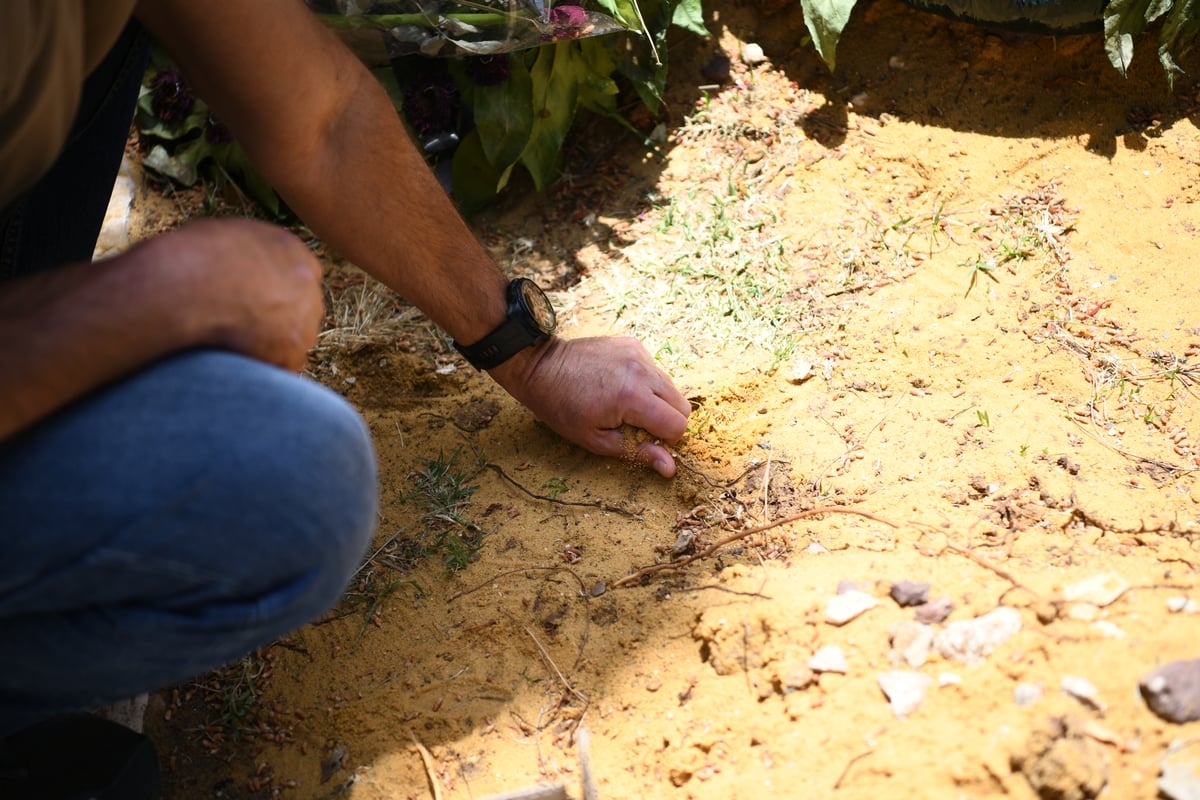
pixel 624 445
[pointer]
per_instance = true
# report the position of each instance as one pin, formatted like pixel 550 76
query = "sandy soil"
pixel 1000 434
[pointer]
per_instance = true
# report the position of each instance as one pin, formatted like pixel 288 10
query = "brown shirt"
pixel 47 48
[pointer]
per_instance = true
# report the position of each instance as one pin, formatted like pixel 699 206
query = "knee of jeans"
pixel 315 477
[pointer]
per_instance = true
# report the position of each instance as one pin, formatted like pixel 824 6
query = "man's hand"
pixel 232 284
pixel 588 390
pixel 255 288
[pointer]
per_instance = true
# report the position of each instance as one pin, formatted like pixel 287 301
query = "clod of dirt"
pixel 1061 764
pixel 1173 691
pixel 476 414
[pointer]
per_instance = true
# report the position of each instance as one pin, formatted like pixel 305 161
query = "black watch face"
pixel 539 307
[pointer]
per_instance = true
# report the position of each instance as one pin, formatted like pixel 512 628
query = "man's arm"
pixel 233 284
pixel 323 131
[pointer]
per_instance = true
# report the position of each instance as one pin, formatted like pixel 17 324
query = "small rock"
pixel 847 586
pixel 973 640
pixel 1180 776
pixel 816 549
pixel 905 690
pixel 753 54
pixel 1181 605
pixel 1061 763
pixel 844 607
pixel 800 370
pixel 1099 590
pixel 829 658
pixel 910 593
pixel 1045 611
pixel 933 612
pixel 1083 612
pixel 895 62
pixel 1107 629
pixel 1173 691
pixel 949 679
pixel 1082 690
pixel 1026 694
pixel 911 642
pixel 797 676
pixel 653 684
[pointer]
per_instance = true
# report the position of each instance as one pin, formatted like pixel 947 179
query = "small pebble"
pixel 1026 694
pixel 905 690
pixel 949 679
pixel 1181 605
pixel 753 54
pixel 910 593
pixel 1082 690
pixel 829 658
pixel 847 606
pixel 973 640
pixel 816 549
pixel 1173 691
pixel 844 586
pixel 935 611
pixel 1179 777
pixel 1098 590
pixel 911 642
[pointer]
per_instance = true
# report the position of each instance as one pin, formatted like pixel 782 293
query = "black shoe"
pixel 78 757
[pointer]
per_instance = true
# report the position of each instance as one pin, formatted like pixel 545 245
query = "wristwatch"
pixel 531 320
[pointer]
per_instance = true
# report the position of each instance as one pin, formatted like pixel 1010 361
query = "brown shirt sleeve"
pixel 47 49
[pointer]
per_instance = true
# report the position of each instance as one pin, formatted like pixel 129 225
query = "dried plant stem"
pixel 733 537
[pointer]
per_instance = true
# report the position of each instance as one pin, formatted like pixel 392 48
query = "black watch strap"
pixel 520 330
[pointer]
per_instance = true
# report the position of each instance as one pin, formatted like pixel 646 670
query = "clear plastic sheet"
pixel 382 30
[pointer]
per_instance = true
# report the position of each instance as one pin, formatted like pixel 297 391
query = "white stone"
pixel 846 606
pixel 973 640
pixel 753 53
pixel 1026 694
pixel 911 642
pixel 905 690
pixel 1099 590
pixel 829 658
pixel 1082 690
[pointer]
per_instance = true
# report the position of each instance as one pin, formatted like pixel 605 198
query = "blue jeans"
pixel 174 520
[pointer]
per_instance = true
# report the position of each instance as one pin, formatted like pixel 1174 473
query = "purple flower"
pixel 432 107
pixel 569 22
pixel 487 70
pixel 215 131
pixel 172 99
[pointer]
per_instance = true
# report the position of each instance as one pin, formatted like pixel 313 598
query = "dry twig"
pixel 733 537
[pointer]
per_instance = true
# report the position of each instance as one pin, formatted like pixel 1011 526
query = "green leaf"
pixel 474 179
pixel 623 11
pixel 825 20
pixel 597 89
pixel 555 93
pixel 504 115
pixel 182 165
pixel 1123 19
pixel 1178 34
pixel 689 15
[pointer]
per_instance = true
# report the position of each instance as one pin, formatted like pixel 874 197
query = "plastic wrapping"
pixel 382 30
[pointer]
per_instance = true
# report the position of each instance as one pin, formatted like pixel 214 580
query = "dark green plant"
pixel 187 141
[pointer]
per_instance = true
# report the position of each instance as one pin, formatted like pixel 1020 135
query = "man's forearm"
pixel 323 131
pixel 72 330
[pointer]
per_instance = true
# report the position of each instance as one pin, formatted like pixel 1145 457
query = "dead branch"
pixel 733 537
